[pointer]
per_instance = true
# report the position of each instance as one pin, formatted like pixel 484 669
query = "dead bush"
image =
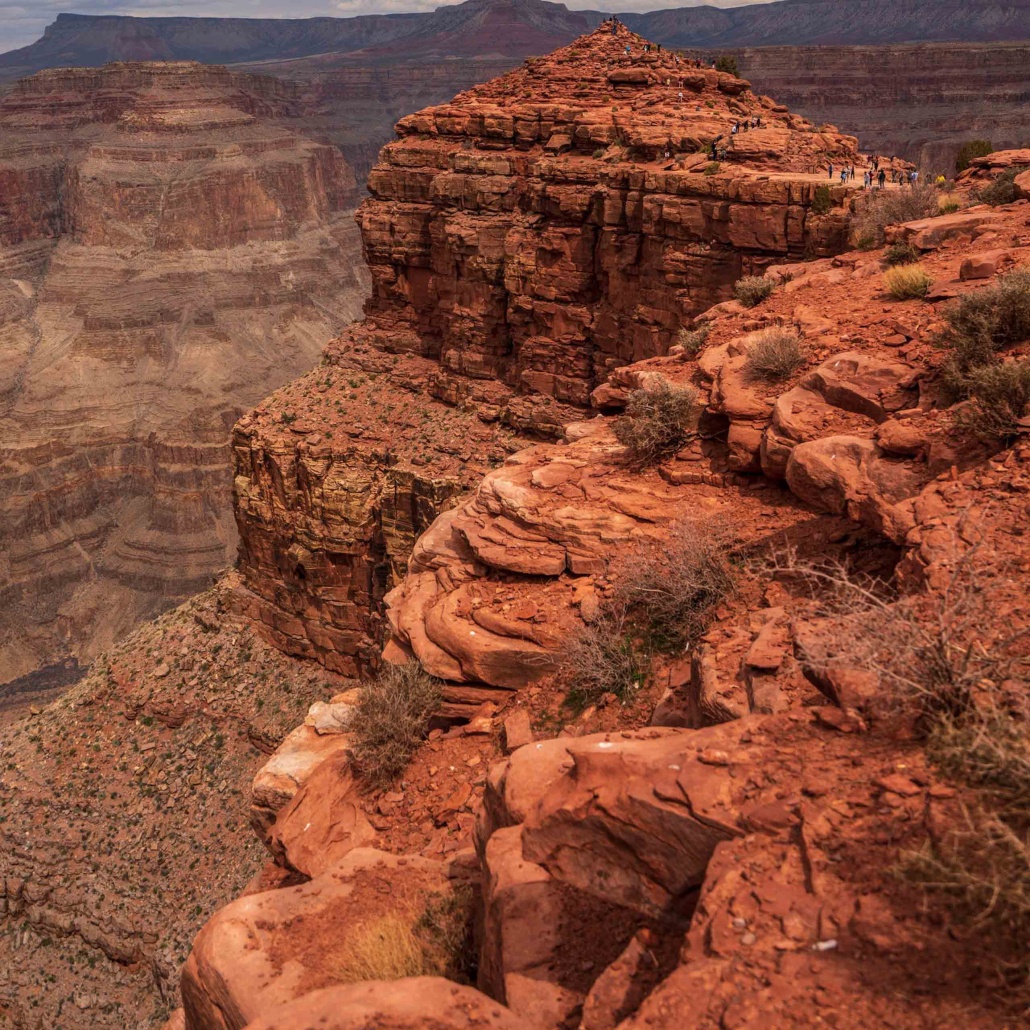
pixel 391 720
pixel 673 587
pixel 604 658
pixel 907 282
pixel 383 949
pixel 981 323
pixel 447 929
pixel 773 355
pixel 880 208
pixel 753 289
pixel 657 423
pixel 999 398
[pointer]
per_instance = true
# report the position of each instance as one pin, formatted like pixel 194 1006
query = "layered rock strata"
pixel 523 241
pixel 169 253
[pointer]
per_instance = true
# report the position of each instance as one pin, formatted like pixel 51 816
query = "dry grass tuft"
pixel 773 355
pixel 384 949
pixel 693 340
pixel 391 720
pixel 753 289
pixel 907 282
pixel 657 423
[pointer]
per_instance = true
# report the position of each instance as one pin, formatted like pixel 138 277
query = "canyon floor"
pixel 750 823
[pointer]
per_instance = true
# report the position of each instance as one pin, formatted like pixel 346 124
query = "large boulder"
pixel 414 1003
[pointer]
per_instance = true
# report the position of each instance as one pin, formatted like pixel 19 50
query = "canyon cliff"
pixel 724 836
pixel 170 251
pixel 523 241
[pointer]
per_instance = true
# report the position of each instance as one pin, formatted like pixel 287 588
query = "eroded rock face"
pixel 523 241
pixel 170 251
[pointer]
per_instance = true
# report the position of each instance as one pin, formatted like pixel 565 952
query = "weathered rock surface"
pixel 170 252
pixel 523 240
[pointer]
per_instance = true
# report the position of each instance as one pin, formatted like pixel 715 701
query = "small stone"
pixel 748 939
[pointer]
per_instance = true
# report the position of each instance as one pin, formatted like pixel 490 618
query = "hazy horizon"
pixel 22 23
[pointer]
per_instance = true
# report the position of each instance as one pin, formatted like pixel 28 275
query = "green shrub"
pixel 981 323
pixel 821 201
pixel 693 340
pixel 901 254
pixel 773 355
pixel 727 63
pixel 1003 190
pixel 391 720
pixel 753 289
pixel 657 422
pixel 999 396
pixel 880 208
pixel 712 168
pixel 972 149
pixel 907 282
pixel 674 587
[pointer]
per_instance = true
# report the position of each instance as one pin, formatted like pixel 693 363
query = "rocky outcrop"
pixel 521 246
pixel 168 255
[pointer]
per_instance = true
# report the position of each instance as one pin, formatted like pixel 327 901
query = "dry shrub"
pixel 773 355
pixel 673 588
pixel 447 930
pixel 981 323
pixel 949 203
pixel 947 660
pixel 907 282
pixel 1003 190
pixel 604 658
pixel 999 397
pixel 391 720
pixel 873 213
pixel 753 289
pixel 657 422
pixel 900 254
pixel 693 340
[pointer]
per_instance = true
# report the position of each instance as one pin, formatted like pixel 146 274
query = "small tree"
pixel 727 63
pixel 970 150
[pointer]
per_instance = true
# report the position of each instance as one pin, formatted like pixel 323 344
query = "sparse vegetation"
pixel 693 340
pixel 1002 190
pixel 822 204
pixel 727 63
pixel 907 282
pixel 900 254
pixel 999 396
pixel 712 168
pixel 753 289
pixel 981 323
pixel 390 722
pixel 948 203
pixel 970 150
pixel 657 422
pixel 881 208
pixel 673 588
pixel 773 355
pixel 447 929
pixel 604 658
pixel 946 661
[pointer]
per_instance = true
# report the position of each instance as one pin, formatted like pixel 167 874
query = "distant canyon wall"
pixel 169 255
pixel 919 101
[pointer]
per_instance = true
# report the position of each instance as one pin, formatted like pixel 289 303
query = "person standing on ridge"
pixel 829 171
pixel 882 178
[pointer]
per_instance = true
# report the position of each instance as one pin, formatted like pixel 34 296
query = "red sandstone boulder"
pixel 416 1003
pixel 271 948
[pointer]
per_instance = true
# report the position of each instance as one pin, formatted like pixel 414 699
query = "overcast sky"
pixel 22 21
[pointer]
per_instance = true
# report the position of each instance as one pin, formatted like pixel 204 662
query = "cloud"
pixel 22 21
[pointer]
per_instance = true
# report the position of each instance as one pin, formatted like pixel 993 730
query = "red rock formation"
pixel 169 254
pixel 524 240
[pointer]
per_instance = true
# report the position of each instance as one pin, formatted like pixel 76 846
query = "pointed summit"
pixel 613 86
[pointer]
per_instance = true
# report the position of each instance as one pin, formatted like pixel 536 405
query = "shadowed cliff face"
pixel 169 253
pixel 523 241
